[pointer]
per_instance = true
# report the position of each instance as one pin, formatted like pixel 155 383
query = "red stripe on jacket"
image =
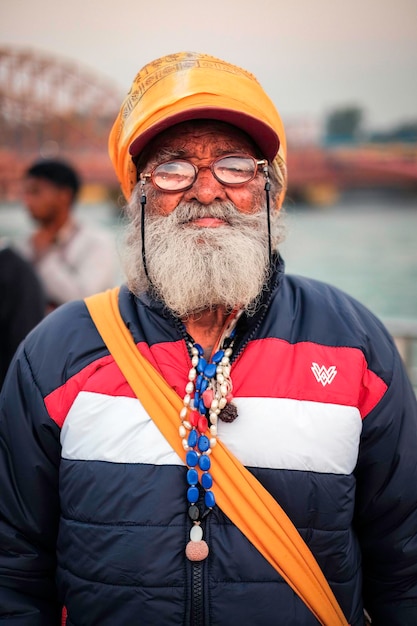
pixel 267 368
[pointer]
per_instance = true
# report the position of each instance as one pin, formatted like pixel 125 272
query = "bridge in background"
pixel 51 107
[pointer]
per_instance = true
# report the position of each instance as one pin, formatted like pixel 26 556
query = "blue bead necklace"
pixel 208 393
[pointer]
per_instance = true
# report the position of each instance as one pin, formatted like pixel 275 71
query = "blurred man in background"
pixel 72 259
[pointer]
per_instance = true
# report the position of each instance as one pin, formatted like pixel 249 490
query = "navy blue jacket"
pixel 93 511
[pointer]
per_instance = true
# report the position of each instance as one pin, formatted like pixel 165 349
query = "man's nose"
pixel 206 188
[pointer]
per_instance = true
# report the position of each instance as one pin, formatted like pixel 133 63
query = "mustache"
pixel 187 212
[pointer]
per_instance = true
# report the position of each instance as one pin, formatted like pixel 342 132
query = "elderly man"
pixel 216 442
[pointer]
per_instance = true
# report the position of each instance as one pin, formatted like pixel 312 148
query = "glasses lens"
pixel 234 170
pixel 174 175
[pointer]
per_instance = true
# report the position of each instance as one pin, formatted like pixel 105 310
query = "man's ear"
pixel 66 196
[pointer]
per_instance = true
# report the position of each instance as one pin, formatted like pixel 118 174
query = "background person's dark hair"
pixel 57 172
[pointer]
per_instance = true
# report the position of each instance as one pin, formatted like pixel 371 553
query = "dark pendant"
pixel 229 413
pixel 193 512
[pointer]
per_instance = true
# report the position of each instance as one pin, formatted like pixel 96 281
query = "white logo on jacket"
pixel 322 374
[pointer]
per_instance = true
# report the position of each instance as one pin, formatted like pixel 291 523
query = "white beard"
pixel 193 269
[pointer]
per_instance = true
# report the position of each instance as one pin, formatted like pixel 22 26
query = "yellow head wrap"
pixel 185 86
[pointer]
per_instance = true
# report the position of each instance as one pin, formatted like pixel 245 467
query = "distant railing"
pixel 404 332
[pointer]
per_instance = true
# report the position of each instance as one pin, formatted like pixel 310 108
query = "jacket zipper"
pixel 197 611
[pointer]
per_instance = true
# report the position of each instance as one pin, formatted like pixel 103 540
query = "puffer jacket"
pixel 93 510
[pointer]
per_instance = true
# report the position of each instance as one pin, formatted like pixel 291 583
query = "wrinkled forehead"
pixel 189 138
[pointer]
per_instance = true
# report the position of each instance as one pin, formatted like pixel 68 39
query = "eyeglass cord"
pixel 142 228
pixel 268 218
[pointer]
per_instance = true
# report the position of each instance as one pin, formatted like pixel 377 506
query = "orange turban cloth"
pixel 186 86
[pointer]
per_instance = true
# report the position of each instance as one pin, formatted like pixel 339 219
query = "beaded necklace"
pixel 208 397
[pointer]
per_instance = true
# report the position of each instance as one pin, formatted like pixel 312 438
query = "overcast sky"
pixel 311 56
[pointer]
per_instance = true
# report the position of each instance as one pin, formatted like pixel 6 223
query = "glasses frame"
pixel 257 163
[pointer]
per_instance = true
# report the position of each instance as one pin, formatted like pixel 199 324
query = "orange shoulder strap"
pixel 238 493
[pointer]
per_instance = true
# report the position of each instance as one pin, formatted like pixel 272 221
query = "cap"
pixel 186 86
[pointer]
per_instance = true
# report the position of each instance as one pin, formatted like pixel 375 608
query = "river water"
pixel 366 244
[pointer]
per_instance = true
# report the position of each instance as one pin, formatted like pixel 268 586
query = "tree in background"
pixel 344 125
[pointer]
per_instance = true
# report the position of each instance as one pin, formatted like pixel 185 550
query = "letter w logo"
pixel 322 374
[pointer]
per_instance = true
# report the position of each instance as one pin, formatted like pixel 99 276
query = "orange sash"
pixel 238 493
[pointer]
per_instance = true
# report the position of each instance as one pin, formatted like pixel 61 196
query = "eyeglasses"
pixel 229 169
